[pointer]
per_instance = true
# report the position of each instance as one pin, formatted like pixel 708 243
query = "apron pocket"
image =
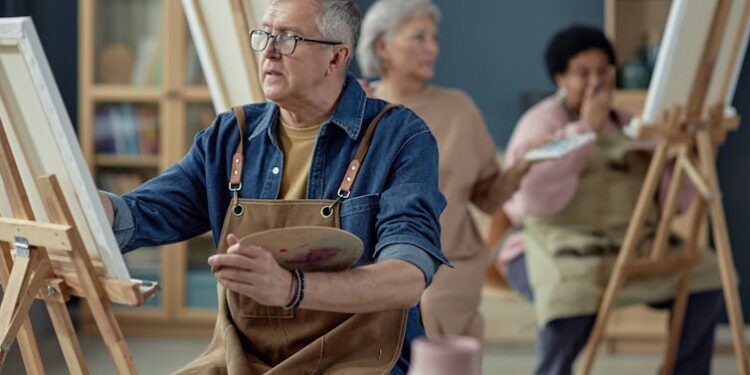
pixel 248 308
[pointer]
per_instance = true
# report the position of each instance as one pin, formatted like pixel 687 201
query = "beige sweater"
pixel 469 172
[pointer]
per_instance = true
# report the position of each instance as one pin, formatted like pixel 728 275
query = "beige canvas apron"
pixel 571 254
pixel 251 338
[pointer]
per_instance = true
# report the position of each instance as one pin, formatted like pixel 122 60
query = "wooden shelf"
pixel 126 161
pixel 196 94
pixel 172 101
pixel 630 100
pixel 122 93
pixel 629 22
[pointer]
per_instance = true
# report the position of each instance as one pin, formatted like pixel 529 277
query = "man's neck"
pixel 393 88
pixel 311 112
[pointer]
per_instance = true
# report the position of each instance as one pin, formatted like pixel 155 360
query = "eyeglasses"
pixel 284 44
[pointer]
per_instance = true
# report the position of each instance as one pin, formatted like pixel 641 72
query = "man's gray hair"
pixel 339 21
pixel 382 20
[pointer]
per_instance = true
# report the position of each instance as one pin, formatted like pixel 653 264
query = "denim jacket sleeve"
pixel 411 203
pixel 168 208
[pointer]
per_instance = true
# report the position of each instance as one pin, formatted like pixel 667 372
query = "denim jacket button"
pixel 275 170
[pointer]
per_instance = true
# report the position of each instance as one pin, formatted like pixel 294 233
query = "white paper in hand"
pixel 560 147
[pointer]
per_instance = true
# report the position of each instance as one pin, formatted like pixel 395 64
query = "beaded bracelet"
pixel 299 291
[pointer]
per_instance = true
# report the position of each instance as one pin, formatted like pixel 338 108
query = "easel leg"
pixel 697 221
pixel 112 336
pixel 67 337
pixel 627 252
pixel 100 307
pixel 678 318
pixel 724 253
pixel 20 292
pixel 32 360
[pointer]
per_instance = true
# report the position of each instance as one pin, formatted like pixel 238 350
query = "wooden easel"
pixel 680 132
pixel 52 264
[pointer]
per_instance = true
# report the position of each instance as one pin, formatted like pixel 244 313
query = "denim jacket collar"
pixel 348 115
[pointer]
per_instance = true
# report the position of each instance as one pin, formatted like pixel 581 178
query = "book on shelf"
pixel 126 129
pixel 119 182
pixel 146 57
pixel 148 130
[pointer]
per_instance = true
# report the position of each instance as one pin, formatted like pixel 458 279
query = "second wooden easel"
pixel 51 263
pixel 681 132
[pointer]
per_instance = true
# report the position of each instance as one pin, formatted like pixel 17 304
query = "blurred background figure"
pixel 571 214
pixel 399 44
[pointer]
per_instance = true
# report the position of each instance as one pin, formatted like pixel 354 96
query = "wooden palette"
pixel 309 248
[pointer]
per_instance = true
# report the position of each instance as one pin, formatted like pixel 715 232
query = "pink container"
pixel 450 355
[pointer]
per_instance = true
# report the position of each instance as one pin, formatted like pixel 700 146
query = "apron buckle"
pixel 238 209
pixel 343 194
pixel 327 211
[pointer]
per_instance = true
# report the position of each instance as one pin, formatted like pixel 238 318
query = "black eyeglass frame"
pixel 277 37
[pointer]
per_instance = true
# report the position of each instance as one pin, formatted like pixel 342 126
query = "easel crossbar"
pixel 48 235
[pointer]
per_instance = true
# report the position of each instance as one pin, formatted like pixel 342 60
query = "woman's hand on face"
pixel 595 108
pixel 253 272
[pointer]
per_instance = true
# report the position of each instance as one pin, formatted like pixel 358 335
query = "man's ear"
pixel 340 60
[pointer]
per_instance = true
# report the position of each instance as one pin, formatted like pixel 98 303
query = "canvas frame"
pixel 679 56
pixel 220 30
pixel 43 142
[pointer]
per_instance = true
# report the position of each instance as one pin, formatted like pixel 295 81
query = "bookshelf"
pixel 631 25
pixel 142 97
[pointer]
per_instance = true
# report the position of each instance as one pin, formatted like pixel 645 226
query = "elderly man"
pixel 319 153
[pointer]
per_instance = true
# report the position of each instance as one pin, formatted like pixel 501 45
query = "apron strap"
pixel 353 169
pixel 235 182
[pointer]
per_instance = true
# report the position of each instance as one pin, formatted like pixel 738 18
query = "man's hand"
pixel 108 209
pixel 253 272
pixel 596 106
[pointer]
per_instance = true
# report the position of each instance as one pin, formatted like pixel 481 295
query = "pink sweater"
pixel 549 186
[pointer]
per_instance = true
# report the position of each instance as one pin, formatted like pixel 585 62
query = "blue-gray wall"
pixel 493 50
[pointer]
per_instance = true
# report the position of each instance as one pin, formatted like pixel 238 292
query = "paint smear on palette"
pixel 314 256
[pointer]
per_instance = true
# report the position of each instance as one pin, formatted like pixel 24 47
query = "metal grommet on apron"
pixel 252 338
pixel 327 211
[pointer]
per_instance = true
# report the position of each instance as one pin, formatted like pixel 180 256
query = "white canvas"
pixel 681 48
pixel 679 54
pixel 43 141
pixel 222 41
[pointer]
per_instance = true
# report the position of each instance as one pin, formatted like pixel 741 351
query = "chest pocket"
pixel 359 216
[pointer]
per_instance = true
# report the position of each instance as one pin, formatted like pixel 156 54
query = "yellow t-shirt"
pixel 298 145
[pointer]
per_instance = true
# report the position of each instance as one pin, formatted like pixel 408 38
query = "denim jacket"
pixel 394 207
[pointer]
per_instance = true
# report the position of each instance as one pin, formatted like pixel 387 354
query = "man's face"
pixel 299 75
